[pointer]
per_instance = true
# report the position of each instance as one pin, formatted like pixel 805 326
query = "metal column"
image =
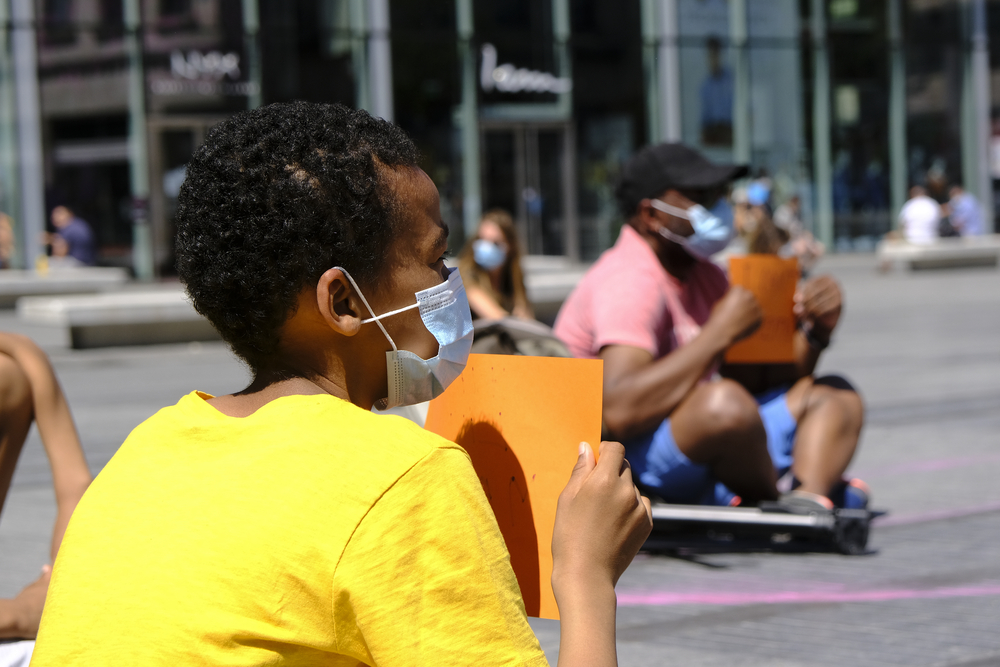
pixel 380 59
pixel 9 200
pixel 741 80
pixel 976 110
pixel 251 46
pixel 571 221
pixel 359 55
pixel 661 63
pixel 29 130
pixel 468 122
pixel 654 135
pixel 669 71
pixel 822 175
pixel 898 168
pixel 142 251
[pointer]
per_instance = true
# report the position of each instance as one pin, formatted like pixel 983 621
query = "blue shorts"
pixel 661 467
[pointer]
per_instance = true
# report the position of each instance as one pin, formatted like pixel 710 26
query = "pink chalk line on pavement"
pixel 667 599
pixel 932 465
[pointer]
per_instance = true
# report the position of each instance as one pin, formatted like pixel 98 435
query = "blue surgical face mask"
pixel 713 230
pixel 444 310
pixel 488 254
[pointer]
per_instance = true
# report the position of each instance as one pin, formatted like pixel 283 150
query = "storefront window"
pixel 773 106
pixel 426 92
pixel 608 110
pixel 934 73
pixel 859 83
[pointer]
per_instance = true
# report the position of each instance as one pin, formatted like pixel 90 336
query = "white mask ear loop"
pixel 374 318
pixel 667 208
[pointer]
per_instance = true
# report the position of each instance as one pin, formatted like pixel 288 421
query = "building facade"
pixel 528 105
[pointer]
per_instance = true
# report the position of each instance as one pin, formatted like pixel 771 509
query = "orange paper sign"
pixel 522 420
pixel 772 280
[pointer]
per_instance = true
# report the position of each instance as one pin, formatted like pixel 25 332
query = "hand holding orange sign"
pixel 772 280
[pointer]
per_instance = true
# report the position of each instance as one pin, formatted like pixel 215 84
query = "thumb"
pixel 585 462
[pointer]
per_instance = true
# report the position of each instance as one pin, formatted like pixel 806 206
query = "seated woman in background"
pixel 491 270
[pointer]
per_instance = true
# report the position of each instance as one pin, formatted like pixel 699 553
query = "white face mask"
pixel 445 312
pixel 713 230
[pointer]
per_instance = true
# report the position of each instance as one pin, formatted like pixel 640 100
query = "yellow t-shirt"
pixel 309 533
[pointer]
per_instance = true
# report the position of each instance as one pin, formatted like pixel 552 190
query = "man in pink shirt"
pixel 661 316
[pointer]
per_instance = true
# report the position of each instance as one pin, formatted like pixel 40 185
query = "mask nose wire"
pixel 365 301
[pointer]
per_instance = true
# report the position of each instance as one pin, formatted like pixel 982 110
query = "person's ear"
pixel 338 303
pixel 647 217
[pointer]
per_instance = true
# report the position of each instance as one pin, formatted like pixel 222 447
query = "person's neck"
pixel 673 258
pixel 496 277
pixel 293 378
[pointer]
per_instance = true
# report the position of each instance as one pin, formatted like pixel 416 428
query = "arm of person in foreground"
pixel 640 392
pixel 70 474
pixel 601 522
pixel 818 305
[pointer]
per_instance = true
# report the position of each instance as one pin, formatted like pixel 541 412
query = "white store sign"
pixel 211 66
pixel 509 79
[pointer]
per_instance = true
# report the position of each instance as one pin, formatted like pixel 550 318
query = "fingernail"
pixel 583 448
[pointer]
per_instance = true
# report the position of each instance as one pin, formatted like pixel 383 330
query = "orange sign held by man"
pixel 522 420
pixel 773 281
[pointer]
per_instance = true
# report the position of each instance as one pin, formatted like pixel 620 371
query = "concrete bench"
pixel 944 253
pixel 549 287
pixel 152 316
pixel 15 283
pixel 144 317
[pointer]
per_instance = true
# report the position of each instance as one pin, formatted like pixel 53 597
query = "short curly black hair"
pixel 274 198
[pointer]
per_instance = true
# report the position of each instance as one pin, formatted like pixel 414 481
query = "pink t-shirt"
pixel 628 298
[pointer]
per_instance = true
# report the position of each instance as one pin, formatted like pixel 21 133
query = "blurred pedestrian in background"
pixel 6 241
pixel 491 270
pixel 964 212
pixel 920 217
pixel 801 243
pixel 76 233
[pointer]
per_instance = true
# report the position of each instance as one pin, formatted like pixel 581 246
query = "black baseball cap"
pixel 658 168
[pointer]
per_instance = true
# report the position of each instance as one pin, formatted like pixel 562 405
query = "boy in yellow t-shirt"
pixel 286 524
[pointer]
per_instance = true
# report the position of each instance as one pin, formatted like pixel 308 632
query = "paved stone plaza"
pixel 925 350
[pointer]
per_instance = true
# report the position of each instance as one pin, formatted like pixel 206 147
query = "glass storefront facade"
pixel 526 105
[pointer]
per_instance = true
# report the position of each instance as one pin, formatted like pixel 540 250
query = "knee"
pixel 843 401
pixel 728 409
pixel 15 389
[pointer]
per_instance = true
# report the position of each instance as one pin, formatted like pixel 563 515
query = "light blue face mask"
pixel 444 310
pixel 713 230
pixel 488 254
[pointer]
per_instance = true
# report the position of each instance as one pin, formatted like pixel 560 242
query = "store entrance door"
pixel 529 169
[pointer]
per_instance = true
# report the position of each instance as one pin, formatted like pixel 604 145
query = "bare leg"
pixel 15 419
pixel 718 425
pixel 830 414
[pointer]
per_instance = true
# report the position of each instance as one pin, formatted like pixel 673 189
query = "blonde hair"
pixel 512 293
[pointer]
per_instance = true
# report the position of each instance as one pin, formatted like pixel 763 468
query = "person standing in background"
pixel 77 234
pixel 716 94
pixel 965 213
